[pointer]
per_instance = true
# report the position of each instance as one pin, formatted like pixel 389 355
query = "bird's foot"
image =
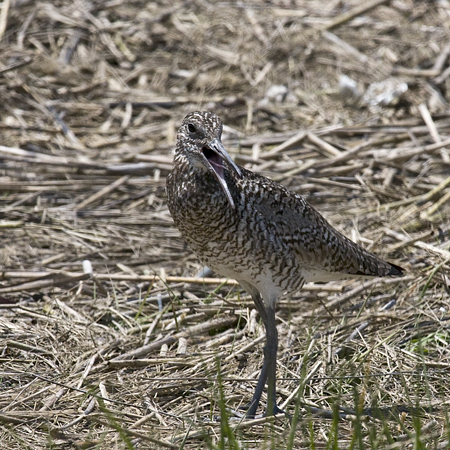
pixel 238 415
pixel 251 414
pixel 245 407
pixel 250 410
pixel 275 412
pixel 235 414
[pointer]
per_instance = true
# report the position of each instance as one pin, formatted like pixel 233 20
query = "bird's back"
pixel 306 232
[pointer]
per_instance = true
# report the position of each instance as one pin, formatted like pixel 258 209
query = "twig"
pixel 357 11
pixel 4 16
pixel 328 149
pixel 115 277
pixel 102 192
pixel 420 244
pixel 144 437
pixel 28 348
pixel 290 142
pixel 169 340
pixel 429 122
pixel 52 280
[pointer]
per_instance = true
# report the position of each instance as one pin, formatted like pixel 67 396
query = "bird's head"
pixel 199 140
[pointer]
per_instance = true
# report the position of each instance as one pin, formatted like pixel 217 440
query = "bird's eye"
pixel 191 128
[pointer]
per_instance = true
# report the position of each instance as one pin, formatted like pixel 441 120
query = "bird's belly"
pixel 256 262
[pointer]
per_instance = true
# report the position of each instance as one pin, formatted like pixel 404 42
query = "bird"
pixel 252 229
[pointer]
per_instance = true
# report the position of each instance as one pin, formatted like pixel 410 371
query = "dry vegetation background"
pixel 92 93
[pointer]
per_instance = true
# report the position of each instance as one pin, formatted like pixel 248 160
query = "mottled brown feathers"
pixel 272 232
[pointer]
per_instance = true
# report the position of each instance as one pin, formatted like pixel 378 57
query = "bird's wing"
pixel 314 241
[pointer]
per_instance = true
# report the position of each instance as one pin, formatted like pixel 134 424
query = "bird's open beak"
pixel 215 154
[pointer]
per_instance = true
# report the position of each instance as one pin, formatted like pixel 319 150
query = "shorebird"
pixel 247 227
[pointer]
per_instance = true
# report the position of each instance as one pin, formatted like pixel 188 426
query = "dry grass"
pixel 92 94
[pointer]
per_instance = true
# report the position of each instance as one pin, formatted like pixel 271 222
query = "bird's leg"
pixel 270 360
pixel 253 405
pixel 259 303
pixel 268 371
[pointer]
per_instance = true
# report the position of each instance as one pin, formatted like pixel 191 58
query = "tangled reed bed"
pixel 92 94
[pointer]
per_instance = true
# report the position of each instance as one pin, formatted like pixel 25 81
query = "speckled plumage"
pixel 250 228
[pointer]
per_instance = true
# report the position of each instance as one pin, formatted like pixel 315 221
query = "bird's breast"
pixel 238 242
